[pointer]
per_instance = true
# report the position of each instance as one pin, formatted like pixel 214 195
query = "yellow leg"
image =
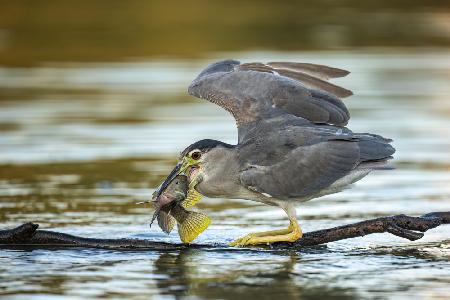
pixel 290 234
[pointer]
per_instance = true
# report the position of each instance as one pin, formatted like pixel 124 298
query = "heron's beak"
pixel 179 168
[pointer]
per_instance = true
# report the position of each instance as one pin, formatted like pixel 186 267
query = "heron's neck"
pixel 221 175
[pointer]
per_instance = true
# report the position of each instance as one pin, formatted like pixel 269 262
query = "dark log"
pixel 407 227
pixel 411 228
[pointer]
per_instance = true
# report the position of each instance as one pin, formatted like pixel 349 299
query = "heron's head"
pixel 194 160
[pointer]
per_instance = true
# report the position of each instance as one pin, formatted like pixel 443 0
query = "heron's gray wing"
pixel 304 171
pixel 255 91
pixel 288 157
pixel 310 75
pixel 319 71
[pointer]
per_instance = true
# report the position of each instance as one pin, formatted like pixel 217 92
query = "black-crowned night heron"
pixel 293 145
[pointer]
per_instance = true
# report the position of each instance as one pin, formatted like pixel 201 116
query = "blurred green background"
pixel 32 32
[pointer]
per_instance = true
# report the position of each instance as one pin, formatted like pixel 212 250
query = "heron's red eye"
pixel 196 155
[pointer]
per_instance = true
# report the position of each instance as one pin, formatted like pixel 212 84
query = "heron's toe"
pixel 257 239
pixel 242 241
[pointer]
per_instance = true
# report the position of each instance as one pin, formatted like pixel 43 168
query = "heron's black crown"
pixel 205 145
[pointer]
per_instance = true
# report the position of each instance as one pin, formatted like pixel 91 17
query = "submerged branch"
pixel 411 228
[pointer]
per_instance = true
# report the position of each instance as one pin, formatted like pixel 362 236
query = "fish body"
pixel 176 191
pixel 170 209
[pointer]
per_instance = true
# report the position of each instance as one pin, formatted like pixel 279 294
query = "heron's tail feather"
pixel 374 148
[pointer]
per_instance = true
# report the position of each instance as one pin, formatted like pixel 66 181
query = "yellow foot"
pixel 291 234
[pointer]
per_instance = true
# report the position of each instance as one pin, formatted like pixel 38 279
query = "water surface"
pixel 81 143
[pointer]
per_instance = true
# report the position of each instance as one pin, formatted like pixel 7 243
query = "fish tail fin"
pixel 194 224
pixel 191 199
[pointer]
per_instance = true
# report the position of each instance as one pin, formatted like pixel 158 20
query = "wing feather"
pixel 320 71
pixel 310 75
pixel 305 171
pixel 254 91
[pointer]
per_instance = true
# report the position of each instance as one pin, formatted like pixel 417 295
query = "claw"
pixel 242 241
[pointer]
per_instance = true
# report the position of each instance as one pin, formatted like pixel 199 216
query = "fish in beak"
pixel 180 168
pixel 175 191
pixel 170 209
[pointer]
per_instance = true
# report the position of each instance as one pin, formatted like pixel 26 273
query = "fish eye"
pixel 196 155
